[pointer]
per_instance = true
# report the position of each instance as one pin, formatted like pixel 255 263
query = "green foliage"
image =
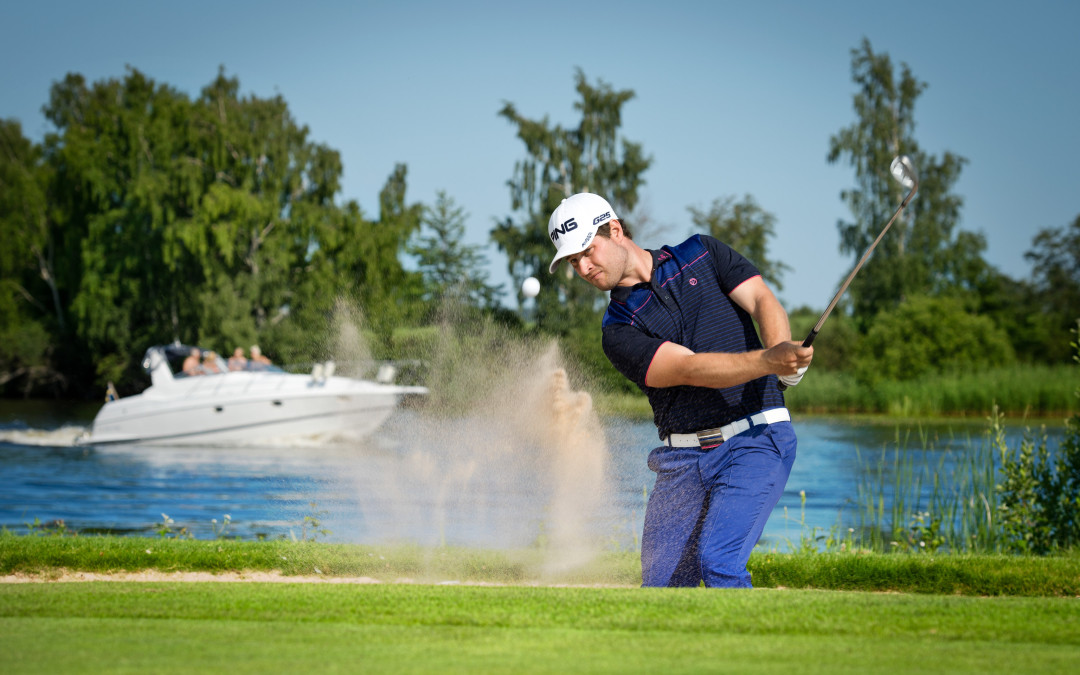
pixel 582 345
pixel 29 297
pixel 1017 391
pixel 1054 295
pixel 923 253
pixel 745 227
pixel 312 525
pixel 149 215
pixel 209 220
pixel 560 162
pixel 926 335
pixel 388 292
pixel 53 528
pixel 450 268
pixel 837 344
pixel 165 529
pixel 1039 493
pixel 943 501
pixel 982 498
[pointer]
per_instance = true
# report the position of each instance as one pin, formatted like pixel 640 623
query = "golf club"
pixel 904 173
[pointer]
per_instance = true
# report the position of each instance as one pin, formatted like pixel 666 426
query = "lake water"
pixel 429 482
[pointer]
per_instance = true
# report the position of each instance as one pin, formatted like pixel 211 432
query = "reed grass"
pixel 1018 391
pixel 962 496
pixel 1025 390
pixel 928 500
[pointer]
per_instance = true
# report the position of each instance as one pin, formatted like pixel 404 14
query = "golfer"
pixel 680 325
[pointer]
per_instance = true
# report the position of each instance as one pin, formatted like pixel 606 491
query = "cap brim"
pixel 559 257
pixel 555 264
pixel 562 253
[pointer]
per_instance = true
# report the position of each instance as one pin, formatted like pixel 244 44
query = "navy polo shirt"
pixel 686 302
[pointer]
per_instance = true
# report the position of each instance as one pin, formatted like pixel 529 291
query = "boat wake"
pixel 63 437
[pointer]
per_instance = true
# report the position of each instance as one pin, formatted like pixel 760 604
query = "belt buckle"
pixel 711 437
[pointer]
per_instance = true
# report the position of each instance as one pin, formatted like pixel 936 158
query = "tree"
pixel 451 269
pixel 111 155
pixel 745 227
pixel 1054 305
pixel 192 216
pixel 923 253
pixel 560 162
pixel 209 220
pixel 927 335
pixel 390 293
pixel 30 306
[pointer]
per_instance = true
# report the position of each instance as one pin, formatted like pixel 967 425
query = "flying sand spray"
pixel 505 449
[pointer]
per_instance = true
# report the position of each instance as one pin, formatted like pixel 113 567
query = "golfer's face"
pixel 600 264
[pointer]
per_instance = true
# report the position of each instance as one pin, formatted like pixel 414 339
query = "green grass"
pixel 45 554
pixel 1020 391
pixel 175 627
pixel 982 575
pixel 837 613
pixel 1017 391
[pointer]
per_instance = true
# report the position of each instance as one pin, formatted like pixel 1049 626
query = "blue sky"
pixel 733 98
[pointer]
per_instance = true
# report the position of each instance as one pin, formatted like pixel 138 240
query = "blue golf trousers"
pixel 709 507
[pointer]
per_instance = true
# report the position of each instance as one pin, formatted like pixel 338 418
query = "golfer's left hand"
pixel 792 380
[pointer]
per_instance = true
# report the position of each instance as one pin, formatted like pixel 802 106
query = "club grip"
pixel 805 343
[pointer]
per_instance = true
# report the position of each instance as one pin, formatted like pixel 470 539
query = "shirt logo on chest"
pixel 692 281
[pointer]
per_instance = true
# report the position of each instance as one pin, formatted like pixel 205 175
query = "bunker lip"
pixel 61 575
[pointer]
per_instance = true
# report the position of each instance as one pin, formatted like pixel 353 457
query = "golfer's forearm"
pixel 677 366
pixel 725 370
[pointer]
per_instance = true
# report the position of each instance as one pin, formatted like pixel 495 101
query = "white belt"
pixel 711 437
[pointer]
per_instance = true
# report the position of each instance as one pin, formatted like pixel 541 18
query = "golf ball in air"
pixel 530 287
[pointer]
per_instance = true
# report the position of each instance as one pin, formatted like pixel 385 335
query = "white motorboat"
pixel 243 407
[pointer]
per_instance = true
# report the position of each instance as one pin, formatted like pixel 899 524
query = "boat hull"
pixel 246 409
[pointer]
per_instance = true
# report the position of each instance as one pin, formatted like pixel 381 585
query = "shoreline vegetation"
pixel 1030 392
pixel 1036 392
pixel 53 558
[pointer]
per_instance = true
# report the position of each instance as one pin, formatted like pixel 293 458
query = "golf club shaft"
pixel 847 282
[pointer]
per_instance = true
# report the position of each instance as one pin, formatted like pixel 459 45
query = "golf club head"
pixel 904 173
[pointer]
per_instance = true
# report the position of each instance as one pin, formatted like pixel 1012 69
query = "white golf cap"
pixel 574 223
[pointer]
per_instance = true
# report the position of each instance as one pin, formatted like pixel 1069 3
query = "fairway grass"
pixel 255 627
pixel 345 608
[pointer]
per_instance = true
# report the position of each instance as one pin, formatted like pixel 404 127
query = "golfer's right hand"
pixel 789 358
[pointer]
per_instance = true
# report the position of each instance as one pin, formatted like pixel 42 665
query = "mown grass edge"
pixel 950 574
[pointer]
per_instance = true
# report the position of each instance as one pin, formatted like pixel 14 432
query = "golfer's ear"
pixel 615 225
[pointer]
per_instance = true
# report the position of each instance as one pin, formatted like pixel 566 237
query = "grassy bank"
pixel 483 611
pixel 1021 391
pixel 983 575
pixel 1039 391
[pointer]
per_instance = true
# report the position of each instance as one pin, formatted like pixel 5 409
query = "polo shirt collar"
pixel 622 293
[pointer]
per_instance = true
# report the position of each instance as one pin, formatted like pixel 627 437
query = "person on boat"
pixel 238 361
pixel 192 364
pixel 258 359
pixel 210 363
